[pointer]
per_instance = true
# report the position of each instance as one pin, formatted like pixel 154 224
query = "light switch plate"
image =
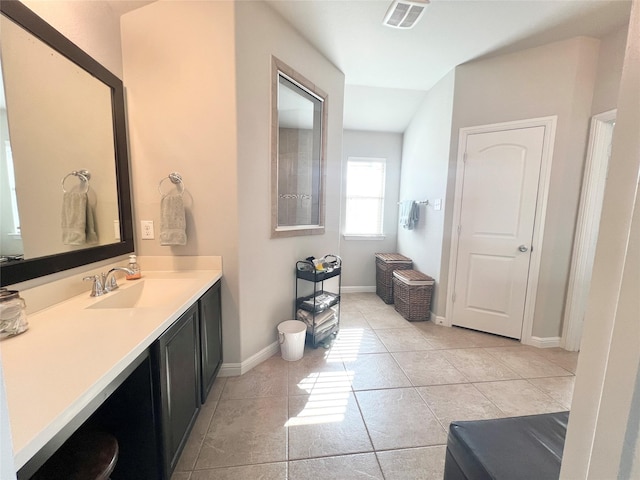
pixel 437 204
pixel 147 229
pixel 116 229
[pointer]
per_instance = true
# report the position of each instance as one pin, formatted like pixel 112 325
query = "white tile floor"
pixel 376 405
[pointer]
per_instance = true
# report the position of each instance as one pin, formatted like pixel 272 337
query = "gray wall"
pixel 213 73
pixel 425 168
pixel 359 255
pixel 603 436
pixel 555 79
pixel 571 79
pixel 267 266
pixel 182 117
pixel 610 59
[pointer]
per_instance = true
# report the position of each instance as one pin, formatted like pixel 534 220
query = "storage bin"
pixel 291 335
pixel 386 264
pixel 412 292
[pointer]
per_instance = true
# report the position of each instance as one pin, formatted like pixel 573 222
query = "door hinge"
pixel 453 297
pixel 464 157
pixel 459 229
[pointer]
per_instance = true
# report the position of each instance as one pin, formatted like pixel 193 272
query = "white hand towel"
pixel 74 218
pixel 173 223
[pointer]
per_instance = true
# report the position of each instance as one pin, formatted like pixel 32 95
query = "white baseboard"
pixel 237 369
pixel 358 289
pixel 439 320
pixel 545 342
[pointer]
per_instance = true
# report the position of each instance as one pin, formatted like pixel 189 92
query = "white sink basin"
pixel 143 293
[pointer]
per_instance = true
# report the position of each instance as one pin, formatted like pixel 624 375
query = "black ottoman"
pixel 520 448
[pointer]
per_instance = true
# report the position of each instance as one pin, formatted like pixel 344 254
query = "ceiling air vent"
pixel 404 14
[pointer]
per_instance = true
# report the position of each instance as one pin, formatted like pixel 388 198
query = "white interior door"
pixel 500 187
pixel 588 225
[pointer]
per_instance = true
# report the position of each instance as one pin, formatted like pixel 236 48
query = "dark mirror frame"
pixel 22 270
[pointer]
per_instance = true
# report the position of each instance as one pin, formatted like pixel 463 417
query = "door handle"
pixel 523 248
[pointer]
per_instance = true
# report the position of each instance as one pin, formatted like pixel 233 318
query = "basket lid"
pixel 413 277
pixel 393 257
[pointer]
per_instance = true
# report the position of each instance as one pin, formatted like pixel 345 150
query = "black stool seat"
pixel 528 447
pixel 87 455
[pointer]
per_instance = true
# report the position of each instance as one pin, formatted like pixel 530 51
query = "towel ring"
pixel 176 179
pixel 83 175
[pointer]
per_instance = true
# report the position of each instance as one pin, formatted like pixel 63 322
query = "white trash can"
pixel 291 334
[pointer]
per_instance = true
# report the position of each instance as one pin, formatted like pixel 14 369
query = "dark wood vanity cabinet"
pixel 187 357
pixel 177 385
pixel 210 337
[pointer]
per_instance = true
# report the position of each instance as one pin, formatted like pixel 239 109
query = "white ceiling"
pixel 387 71
pixel 120 7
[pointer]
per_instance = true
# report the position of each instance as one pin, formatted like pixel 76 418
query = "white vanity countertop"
pixel 71 353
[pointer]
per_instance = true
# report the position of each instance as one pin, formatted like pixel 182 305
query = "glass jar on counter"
pixel 13 313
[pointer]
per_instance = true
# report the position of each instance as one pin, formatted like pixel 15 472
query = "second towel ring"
pixel 176 179
pixel 83 175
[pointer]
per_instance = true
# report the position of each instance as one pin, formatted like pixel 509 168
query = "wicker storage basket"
pixel 386 264
pixel 412 292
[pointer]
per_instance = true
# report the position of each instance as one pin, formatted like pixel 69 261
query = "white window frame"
pixel 371 235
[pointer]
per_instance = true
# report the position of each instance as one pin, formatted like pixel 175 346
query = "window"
pixel 365 196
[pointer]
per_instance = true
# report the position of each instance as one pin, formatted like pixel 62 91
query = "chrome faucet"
pixel 97 288
pixel 110 283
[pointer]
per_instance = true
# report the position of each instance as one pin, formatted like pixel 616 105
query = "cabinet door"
pixel 178 365
pixel 210 337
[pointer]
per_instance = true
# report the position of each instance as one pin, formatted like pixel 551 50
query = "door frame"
pixel 584 244
pixel 538 226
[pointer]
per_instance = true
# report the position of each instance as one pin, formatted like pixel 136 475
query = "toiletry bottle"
pixel 134 267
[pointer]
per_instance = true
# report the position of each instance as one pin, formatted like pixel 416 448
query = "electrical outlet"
pixel 147 229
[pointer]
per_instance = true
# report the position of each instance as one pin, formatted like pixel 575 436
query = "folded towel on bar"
pixel 320 318
pixel 173 223
pixel 326 326
pixel 408 214
pixel 74 218
pixel 90 229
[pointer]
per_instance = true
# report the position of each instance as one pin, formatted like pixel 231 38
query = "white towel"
pixel 172 220
pixel 320 318
pixel 90 229
pixel 408 214
pixel 74 218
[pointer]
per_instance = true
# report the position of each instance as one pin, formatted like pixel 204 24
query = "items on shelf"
pixel 318 302
pixel 320 310
pixel 325 319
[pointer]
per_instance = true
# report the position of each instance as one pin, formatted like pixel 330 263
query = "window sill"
pixel 363 237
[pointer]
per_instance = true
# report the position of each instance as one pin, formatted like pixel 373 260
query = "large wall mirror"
pixel 64 169
pixel 299 120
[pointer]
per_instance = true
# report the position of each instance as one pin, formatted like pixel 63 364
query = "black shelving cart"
pixel 320 309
